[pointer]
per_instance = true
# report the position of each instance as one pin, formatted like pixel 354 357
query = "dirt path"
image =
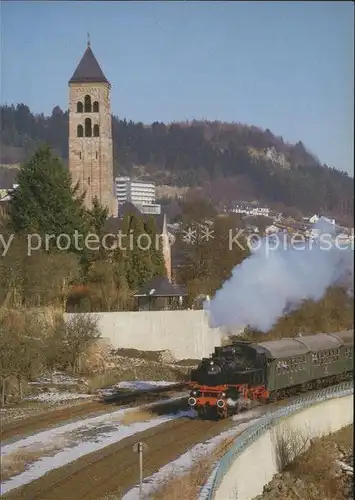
pixel 114 470
pixel 46 420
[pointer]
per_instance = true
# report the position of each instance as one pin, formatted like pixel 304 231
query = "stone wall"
pixel 258 463
pixel 185 333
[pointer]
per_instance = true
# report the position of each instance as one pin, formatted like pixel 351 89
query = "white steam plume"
pixel 270 282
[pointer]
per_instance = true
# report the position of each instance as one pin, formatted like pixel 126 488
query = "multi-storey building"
pixel 140 193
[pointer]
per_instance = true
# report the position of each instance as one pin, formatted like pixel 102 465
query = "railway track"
pixel 113 470
pixel 129 396
pixel 105 404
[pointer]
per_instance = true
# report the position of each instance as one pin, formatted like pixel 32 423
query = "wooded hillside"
pixel 227 160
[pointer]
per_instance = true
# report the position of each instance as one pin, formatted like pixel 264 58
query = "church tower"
pixel 90 133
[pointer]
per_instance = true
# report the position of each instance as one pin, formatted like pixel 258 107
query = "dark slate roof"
pixel 88 70
pixel 160 286
pixel 128 208
pixel 114 224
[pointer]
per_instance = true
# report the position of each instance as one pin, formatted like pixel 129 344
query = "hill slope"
pixel 230 161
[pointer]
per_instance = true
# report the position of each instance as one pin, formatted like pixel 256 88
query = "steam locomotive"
pixel 239 374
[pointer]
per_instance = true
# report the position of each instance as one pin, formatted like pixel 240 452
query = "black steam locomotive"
pixel 237 374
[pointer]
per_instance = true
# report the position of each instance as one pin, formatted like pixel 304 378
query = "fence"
pixel 253 432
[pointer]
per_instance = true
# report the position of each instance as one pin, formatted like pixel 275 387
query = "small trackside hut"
pixel 159 294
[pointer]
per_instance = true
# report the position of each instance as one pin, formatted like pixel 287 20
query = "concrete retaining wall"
pixel 258 463
pixel 185 333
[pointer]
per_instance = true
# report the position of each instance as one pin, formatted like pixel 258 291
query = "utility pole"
pixel 139 448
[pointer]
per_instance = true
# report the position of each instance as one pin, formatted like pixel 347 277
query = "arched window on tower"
pixel 87 105
pixel 96 131
pixel 80 131
pixel 79 107
pixel 95 107
pixel 88 132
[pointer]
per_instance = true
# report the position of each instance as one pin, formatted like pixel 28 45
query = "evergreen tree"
pixel 141 267
pixel 96 218
pixel 45 201
pixel 157 256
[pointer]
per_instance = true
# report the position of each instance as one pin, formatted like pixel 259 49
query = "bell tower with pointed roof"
pixel 90 133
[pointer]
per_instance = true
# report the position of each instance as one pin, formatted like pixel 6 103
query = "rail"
pixel 252 433
pixel 128 396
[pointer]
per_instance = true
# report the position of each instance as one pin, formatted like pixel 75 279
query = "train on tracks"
pixel 238 374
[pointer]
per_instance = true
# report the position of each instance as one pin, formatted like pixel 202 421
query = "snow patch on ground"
pixel 135 385
pixel 47 436
pixel 55 396
pixel 184 463
pixel 79 439
pixel 58 378
pixel 142 385
pixel 248 414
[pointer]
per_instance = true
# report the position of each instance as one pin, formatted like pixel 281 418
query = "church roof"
pixel 88 69
pixel 114 224
pixel 128 208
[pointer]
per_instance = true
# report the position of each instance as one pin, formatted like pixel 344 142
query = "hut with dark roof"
pixel 159 294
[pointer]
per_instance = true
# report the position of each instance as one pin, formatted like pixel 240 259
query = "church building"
pixel 91 149
pixel 90 133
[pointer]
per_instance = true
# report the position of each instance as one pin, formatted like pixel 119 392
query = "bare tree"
pixel 48 278
pixel 53 347
pixel 8 357
pixel 77 334
pixel 104 289
pixel 289 443
pixel 20 353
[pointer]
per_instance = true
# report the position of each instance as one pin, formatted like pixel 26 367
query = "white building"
pixel 248 210
pixel 239 210
pixel 264 211
pixel 315 218
pixel 139 193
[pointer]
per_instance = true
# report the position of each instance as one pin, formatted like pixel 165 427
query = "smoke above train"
pixel 270 283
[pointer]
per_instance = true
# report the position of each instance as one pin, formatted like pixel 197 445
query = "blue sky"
pixel 286 66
